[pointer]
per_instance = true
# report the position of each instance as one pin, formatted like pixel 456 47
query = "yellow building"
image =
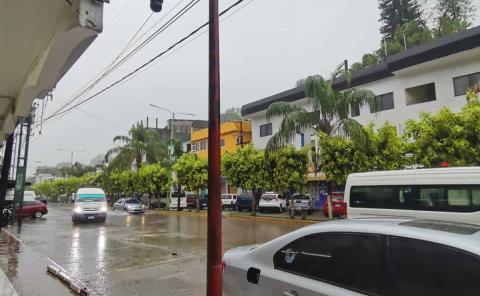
pixel 230 137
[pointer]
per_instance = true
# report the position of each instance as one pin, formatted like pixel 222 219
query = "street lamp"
pixel 172 127
pixel 71 154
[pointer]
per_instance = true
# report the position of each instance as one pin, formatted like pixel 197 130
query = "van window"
pixel 447 198
pixel 352 261
pixel 425 268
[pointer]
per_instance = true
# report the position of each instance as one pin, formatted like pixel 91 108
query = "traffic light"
pixel 156 5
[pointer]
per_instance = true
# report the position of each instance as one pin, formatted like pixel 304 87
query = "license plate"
pixel 337 206
pixel 91 217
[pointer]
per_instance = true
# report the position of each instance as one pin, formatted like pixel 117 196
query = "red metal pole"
pixel 214 232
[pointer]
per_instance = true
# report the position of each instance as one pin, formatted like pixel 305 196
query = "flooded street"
pixel 151 254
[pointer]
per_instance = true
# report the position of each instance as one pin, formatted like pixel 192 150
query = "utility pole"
pixel 172 138
pixel 214 218
pixel 25 125
pixel 7 159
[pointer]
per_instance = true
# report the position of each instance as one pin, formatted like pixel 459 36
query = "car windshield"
pixel 268 197
pixel 132 201
pixel 225 196
pixel 91 197
pixel 301 196
pixel 244 197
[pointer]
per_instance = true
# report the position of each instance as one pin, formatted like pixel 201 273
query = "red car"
pixel 339 207
pixel 35 209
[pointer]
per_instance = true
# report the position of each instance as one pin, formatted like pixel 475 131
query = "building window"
pixel 463 83
pixel 355 110
pixel 266 130
pixel 203 145
pixel 382 103
pixel 222 142
pixel 421 94
pixel 194 147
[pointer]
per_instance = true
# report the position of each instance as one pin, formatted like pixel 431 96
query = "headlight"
pixel 77 210
pixel 103 209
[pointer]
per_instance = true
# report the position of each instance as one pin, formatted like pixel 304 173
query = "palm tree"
pixel 330 111
pixel 141 144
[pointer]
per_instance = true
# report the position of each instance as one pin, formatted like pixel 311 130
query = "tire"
pixel 280 210
pixel 38 214
pixel 223 208
pixel 310 211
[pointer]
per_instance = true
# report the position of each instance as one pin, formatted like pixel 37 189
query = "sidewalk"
pixel 25 270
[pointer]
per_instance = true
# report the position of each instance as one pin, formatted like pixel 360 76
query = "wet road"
pixel 152 254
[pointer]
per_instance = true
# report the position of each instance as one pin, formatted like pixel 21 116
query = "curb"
pixel 239 217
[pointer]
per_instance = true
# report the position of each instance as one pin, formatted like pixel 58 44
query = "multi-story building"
pixel 234 134
pixel 421 79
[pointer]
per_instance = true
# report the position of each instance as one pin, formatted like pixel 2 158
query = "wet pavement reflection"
pixel 152 254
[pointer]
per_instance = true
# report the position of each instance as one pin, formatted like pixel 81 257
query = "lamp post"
pixel 172 127
pixel 72 152
pixel 172 138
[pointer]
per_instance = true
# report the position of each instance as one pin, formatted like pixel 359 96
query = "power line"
pixel 143 67
pixel 111 68
pixel 86 88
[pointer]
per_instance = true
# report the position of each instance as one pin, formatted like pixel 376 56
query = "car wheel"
pixel 223 208
pixel 280 210
pixel 310 211
pixel 38 215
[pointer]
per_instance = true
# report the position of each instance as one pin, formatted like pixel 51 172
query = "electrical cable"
pixel 143 66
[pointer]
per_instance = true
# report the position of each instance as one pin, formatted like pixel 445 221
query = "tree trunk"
pixel 254 203
pixel 198 201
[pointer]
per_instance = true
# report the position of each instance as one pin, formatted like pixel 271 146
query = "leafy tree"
pixel 412 33
pixel 289 167
pixel 456 10
pixel 396 13
pixel 191 172
pixel 330 111
pixel 340 157
pixel 446 137
pixel 154 179
pixel 246 168
pixel 386 150
pixel 140 145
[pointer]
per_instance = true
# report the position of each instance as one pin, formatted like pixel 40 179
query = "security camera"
pixel 156 5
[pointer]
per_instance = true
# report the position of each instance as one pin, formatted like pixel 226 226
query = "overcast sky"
pixel 265 48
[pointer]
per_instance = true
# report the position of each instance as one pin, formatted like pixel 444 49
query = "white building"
pixel 423 78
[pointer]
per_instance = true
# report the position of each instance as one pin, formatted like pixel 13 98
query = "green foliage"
pixel 63 187
pixel 246 168
pixel 289 168
pixel 446 136
pixel 462 11
pixel 340 157
pixel 330 114
pixel 396 13
pixel 191 172
pixel 415 34
pixel 404 18
pixel 447 26
pixel 140 145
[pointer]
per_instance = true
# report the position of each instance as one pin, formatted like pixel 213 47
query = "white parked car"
pixel 272 201
pixel 302 203
pixel 229 201
pixel 360 257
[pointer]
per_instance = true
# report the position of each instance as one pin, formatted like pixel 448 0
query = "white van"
pixel 173 200
pixel 451 194
pixel 90 205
